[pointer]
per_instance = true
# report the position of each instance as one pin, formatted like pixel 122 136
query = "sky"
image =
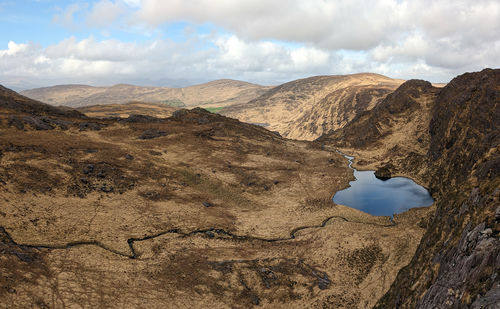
pixel 179 42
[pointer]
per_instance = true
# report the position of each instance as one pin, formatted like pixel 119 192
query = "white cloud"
pixel 104 13
pixel 240 57
pixel 112 61
pixel 265 41
pixel 65 17
pixel 328 24
pixel 432 31
pixel 13 48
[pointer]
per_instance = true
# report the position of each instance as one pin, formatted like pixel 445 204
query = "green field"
pixel 213 109
pixel 174 103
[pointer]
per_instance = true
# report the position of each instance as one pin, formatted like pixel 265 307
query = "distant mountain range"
pixel 216 93
pixel 300 109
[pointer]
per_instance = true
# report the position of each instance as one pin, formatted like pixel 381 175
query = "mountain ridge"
pixel 309 107
pixel 215 93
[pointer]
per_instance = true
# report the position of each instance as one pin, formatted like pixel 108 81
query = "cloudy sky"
pixel 180 42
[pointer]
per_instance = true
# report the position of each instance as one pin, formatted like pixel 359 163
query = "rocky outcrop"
pixel 448 139
pixel 368 128
pixel 38 123
pixel 458 260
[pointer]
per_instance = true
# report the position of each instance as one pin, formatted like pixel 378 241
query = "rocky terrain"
pixel 195 210
pixel 217 93
pixel 448 140
pixel 307 108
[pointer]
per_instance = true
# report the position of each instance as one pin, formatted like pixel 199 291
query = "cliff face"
pixel 394 136
pixel 458 260
pixel 452 146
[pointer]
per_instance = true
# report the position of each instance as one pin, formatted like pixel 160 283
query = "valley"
pixel 103 207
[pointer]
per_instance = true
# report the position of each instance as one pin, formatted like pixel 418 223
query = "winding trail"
pixel 209 232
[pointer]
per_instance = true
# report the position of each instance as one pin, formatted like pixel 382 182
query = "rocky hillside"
pixel 12 101
pixel 449 140
pixel 217 93
pixel 307 108
pixel 192 211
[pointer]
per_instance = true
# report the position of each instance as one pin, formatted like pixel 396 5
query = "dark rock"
pixel 84 180
pixel 129 157
pixel 267 276
pixel 490 300
pixel 62 124
pixel 141 119
pixel 255 300
pixel 384 173
pixel 106 188
pixel 474 252
pixel 16 122
pixel 276 182
pixel 42 305
pixel 203 120
pixel 88 169
pixel 152 133
pixel 90 150
pixel 207 204
pixel 179 114
pixel 196 115
pixel 37 123
pixel 11 290
pixel 155 153
pixel 322 280
pixel 489 169
pixel 209 234
pixel 91 126
pixel 24 257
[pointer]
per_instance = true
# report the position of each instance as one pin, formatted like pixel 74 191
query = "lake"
pixel 382 197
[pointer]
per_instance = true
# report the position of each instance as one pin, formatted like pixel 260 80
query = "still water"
pixel 382 198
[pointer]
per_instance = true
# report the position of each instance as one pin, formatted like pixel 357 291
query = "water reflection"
pixel 382 198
